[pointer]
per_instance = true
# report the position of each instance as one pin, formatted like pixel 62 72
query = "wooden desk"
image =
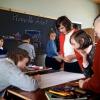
pixel 40 94
pixel 47 80
pixel 37 95
pixel 23 95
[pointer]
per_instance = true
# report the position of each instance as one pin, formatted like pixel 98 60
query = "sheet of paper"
pixel 56 78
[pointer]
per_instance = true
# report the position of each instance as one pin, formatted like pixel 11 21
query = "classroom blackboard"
pixel 14 24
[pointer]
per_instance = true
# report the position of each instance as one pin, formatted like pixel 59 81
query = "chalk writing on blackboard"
pixel 28 19
pixel 15 24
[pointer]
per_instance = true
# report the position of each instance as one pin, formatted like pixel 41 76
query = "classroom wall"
pixel 82 11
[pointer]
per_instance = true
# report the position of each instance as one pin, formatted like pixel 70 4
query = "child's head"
pixel 63 24
pixel 19 56
pixel 97 26
pixel 80 40
pixel 52 35
pixel 26 37
pixel 1 41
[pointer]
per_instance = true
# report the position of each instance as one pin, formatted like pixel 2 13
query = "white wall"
pixel 83 11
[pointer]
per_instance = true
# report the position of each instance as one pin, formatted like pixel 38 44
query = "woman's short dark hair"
pixel 81 35
pixel 65 22
pixel 17 55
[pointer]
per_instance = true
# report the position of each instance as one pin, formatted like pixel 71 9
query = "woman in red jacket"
pixel 66 51
pixel 93 83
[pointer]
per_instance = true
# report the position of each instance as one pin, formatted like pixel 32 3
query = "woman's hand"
pixel 69 58
pixel 82 53
pixel 81 82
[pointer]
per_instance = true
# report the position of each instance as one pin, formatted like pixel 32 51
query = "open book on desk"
pixel 65 92
pixel 72 96
pixel 51 96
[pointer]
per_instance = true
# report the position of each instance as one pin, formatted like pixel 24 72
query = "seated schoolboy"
pixel 93 83
pixel 11 72
pixel 26 45
pixel 52 58
pixel 84 50
pixel 3 51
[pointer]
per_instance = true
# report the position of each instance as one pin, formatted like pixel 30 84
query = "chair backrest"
pixel 91 32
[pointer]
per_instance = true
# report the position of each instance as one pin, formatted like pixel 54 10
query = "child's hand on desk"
pixel 37 77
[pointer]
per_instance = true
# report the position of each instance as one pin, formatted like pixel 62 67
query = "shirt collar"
pixel 1 48
pixel 10 60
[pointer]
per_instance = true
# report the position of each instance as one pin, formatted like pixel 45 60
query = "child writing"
pixel 11 72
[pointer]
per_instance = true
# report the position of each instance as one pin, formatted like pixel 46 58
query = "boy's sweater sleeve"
pixel 22 81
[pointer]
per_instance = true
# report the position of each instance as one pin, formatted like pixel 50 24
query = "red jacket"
pixel 61 43
pixel 94 83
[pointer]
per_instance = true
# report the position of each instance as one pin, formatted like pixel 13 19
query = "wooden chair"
pixel 91 32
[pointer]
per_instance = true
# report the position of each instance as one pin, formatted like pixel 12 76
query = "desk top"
pixel 56 78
